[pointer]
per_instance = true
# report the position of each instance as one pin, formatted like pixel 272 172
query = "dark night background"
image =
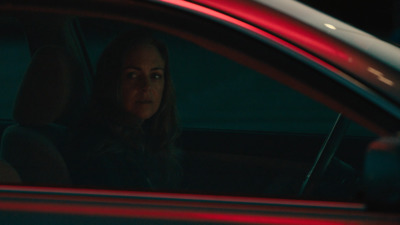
pixel 378 17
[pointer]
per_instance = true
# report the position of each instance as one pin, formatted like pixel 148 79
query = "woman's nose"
pixel 145 83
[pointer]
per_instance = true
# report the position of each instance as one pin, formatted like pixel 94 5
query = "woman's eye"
pixel 157 76
pixel 131 75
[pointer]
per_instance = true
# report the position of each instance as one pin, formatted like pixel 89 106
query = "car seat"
pixel 46 103
pixel 8 175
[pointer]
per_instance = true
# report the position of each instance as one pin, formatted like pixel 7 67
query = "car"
pixel 288 115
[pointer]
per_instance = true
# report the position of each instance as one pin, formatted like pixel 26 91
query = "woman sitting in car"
pixel 126 140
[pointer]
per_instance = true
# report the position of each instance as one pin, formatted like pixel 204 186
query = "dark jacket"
pixel 103 158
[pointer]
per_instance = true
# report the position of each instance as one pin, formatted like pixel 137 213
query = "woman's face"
pixel 142 81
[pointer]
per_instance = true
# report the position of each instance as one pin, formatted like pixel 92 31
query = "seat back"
pixel 8 175
pixel 34 145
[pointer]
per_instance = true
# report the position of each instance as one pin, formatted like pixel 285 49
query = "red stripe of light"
pixel 236 22
pixel 161 214
pixel 179 196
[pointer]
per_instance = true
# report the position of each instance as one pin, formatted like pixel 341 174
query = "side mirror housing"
pixel 382 174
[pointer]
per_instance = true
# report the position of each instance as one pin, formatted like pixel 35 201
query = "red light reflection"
pixel 160 214
pixel 299 33
pixel 177 207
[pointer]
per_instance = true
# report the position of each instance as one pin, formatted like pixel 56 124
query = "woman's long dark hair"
pixel 159 131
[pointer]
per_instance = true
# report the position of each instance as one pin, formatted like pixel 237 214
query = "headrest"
pixel 46 89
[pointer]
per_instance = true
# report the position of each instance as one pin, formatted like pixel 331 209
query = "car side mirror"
pixel 382 174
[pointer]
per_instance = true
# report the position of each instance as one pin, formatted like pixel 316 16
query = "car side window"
pixel 231 96
pixel 14 58
pixel 232 115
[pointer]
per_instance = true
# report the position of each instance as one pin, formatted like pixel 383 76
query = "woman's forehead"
pixel 141 54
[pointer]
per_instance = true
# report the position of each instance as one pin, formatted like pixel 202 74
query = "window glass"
pixel 240 126
pixel 14 59
pixel 216 93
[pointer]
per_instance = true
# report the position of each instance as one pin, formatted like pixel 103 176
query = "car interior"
pixel 243 133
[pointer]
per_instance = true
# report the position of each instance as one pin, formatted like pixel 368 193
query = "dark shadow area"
pixel 380 18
